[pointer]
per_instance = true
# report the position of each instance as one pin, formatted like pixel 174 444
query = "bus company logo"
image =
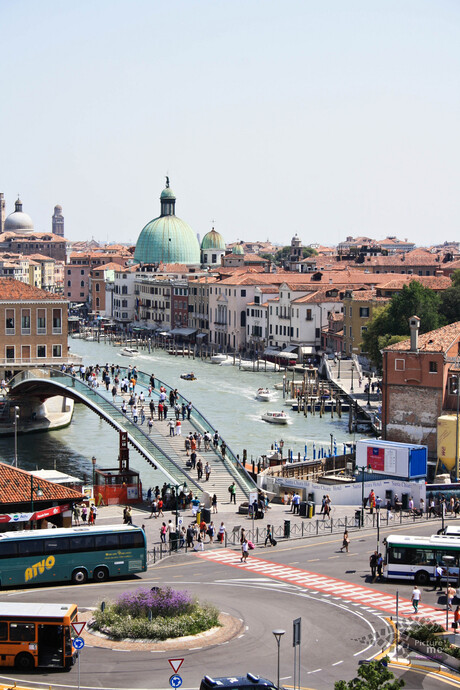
pixel 39 568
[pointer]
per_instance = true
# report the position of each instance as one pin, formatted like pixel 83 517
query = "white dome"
pixel 18 221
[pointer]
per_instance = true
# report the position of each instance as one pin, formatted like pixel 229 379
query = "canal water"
pixel 223 394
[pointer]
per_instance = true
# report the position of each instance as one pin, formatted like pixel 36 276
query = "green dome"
pixel 213 240
pixel 167 239
pixel 237 249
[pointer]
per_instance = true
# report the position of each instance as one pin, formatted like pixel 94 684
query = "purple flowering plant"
pixel 164 602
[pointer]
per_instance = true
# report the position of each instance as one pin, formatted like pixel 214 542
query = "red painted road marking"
pixel 371 598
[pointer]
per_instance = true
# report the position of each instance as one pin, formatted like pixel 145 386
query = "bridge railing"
pixel 168 464
pixel 202 424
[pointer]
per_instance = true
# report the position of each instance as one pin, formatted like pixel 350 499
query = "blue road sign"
pixel 79 643
pixel 175 681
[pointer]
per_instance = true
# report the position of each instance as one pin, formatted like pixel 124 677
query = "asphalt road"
pixel 336 633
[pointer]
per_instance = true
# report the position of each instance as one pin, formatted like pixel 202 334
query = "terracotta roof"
pixel 111 265
pixel 416 257
pixel 40 257
pixel 432 282
pixel 15 487
pixel 319 296
pixel 440 340
pixel 14 290
pixel 31 237
pixel 368 295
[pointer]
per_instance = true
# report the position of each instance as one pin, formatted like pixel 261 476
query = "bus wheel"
pixel 422 578
pixel 79 576
pixel 100 574
pixel 24 661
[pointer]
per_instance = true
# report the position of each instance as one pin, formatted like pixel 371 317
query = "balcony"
pixel 284 316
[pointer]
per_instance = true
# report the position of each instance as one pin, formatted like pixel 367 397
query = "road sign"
pixel 78 627
pixel 175 681
pixel 296 632
pixel 78 642
pixel 175 664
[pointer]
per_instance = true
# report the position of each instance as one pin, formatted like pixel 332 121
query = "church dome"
pixel 167 239
pixel 213 240
pixel 238 249
pixel 18 221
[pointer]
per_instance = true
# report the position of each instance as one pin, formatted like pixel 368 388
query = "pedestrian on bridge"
pixel 207 470
pixel 214 504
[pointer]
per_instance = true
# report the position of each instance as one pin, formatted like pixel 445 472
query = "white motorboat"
pixel 264 394
pixel 261 365
pixel 218 359
pixel 129 352
pixel 290 401
pixel 275 417
pixel 278 386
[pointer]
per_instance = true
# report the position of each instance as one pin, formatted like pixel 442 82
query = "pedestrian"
pixel 221 535
pixel 160 506
pixel 380 567
pixel 223 449
pixel 415 598
pixel 190 536
pixel 193 459
pixel 172 426
pixel 207 471
pixel 244 550
pixel 178 427
pixel 189 410
pixel 150 425
pixel 451 591
pixel 183 411
pixel 373 565
pixel 76 515
pixel 199 469
pixel 269 537
pixel 187 445
pixel 345 542
pixel 84 513
pixel 215 440
pixel 91 516
pixel 232 492
pixel 211 531
pixel 163 530
pixel 154 508
pixel 456 619
pixel 214 503
pixel 439 571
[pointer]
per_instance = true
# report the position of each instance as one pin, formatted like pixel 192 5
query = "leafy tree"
pixel 372 676
pixel 309 251
pixel 456 278
pixel 450 300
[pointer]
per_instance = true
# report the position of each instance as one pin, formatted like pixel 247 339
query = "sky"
pixel 323 118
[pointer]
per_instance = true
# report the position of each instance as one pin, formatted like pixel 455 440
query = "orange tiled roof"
pixel 14 290
pixel 15 487
pixel 109 266
pixel 440 340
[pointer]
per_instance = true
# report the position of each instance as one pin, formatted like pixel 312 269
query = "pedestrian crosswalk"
pixel 368 598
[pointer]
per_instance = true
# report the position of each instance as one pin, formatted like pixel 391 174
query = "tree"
pixel 309 251
pixel 456 278
pixel 450 300
pixel 372 676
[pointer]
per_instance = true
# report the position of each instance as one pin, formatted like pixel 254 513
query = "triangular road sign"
pixel 78 627
pixel 176 664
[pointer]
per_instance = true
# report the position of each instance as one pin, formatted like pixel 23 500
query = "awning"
pixel 271 351
pixel 165 333
pixel 290 348
pixel 39 515
pixel 201 335
pixel 183 331
pixel 286 355
pixel 307 350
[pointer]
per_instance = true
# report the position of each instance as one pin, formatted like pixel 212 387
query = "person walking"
pixel 439 571
pixel 373 565
pixel 172 427
pixel 76 515
pixel 84 513
pixel 232 492
pixel 269 537
pixel 207 471
pixel 451 592
pixel 244 550
pixel 415 598
pixel 456 619
pixel 163 530
pixel 150 425
pixel 214 503
pixel 221 535
pixel 345 542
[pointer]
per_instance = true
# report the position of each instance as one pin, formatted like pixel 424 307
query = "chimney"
pixel 414 325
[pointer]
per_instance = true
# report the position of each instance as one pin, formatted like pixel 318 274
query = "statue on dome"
pixel 167 181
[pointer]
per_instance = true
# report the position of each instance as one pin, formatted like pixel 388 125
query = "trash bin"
pixel 303 509
pixel 310 509
pixel 206 515
pixel 198 517
pixel 287 529
pixel 358 515
pixel 174 541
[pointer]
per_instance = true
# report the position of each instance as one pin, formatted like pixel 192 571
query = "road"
pixel 338 630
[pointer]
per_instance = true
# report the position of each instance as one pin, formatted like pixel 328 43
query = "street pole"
pixel 339 358
pixel 278 635
pixel 378 527
pixel 16 417
pixel 397 622
pixel 362 496
pixel 352 366
pixel 369 391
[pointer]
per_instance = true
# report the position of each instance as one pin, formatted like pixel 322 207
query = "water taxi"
pixel 129 352
pixel 275 417
pixel 263 394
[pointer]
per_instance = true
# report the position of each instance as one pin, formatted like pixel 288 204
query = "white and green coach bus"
pixel 416 558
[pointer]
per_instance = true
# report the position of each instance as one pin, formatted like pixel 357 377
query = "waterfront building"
pixel 198 302
pixel 167 238
pixel 257 318
pixel 101 289
pixel 420 383
pixel 34 326
pixel 80 264
pixel 125 296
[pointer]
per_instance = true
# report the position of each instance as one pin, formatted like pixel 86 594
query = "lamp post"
pixel 339 357
pixel 93 460
pixel 352 369
pixel 448 560
pixel 369 391
pixel 369 470
pixel 16 417
pixel 278 635
pixel 38 491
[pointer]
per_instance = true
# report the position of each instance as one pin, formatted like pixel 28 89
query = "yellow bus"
pixel 33 635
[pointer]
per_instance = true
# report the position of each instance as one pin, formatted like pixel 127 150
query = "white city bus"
pixel 416 558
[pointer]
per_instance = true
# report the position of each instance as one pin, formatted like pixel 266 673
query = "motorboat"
pixel 290 401
pixel 188 377
pixel 256 365
pixel 263 394
pixel 275 417
pixel 278 386
pixel 129 352
pixel 218 359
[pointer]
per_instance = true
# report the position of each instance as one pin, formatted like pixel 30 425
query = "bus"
pixel 416 558
pixel 33 635
pixel 76 554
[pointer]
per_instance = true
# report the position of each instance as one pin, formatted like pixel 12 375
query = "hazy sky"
pixel 325 119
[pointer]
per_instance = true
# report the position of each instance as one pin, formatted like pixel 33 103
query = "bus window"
pixel 3 631
pixel 423 557
pixel 27 547
pixel 8 549
pixel 22 632
pixel 107 541
pixel 131 540
pixel 57 545
pixel 84 543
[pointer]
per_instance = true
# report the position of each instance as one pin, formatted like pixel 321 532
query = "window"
pixel 57 321
pixel 3 631
pixel 25 321
pixel 309 316
pixel 130 540
pixel 60 545
pixel 22 632
pixel 400 364
pixel 453 385
pixel 106 541
pixel 9 321
pixel 30 547
pixel 57 350
pixel 243 293
pixel 41 321
pixel 9 352
pixel 41 350
pixel 82 272
pixel 433 367
pixel 364 312
pixel 82 283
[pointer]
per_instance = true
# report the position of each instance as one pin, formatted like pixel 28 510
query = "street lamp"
pixel 278 635
pixel 16 417
pixel 369 391
pixel 339 357
pixel 352 369
pixel 369 470
pixel 37 490
pixel 93 460
pixel 448 560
